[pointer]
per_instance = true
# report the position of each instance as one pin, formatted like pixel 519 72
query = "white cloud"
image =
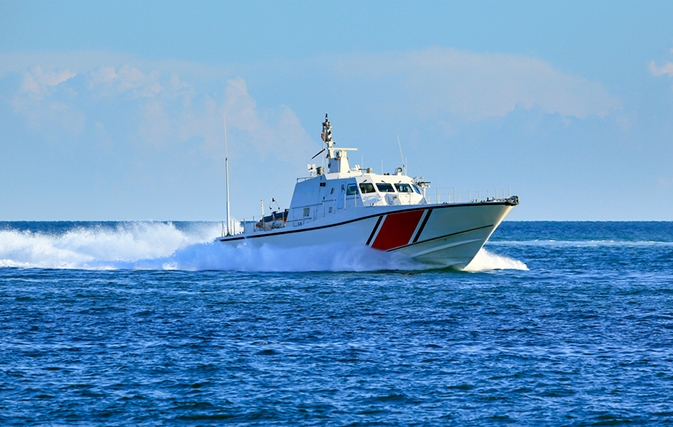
pixel 667 69
pixel 104 74
pixel 38 83
pixel 107 81
pixel 274 132
pixel 179 114
pixel 41 112
pixel 475 86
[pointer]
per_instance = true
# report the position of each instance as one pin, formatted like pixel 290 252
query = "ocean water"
pixel 151 324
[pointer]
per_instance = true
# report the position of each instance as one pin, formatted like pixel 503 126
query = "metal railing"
pixel 450 195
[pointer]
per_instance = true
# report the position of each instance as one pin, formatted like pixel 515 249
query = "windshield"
pixel 367 188
pixel 416 189
pixel 385 188
pixel 404 188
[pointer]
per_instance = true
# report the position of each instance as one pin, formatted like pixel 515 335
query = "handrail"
pixel 454 196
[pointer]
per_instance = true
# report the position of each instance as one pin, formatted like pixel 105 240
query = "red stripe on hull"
pixel 397 230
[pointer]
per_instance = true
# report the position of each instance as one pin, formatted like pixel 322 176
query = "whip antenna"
pixel 226 169
pixel 404 164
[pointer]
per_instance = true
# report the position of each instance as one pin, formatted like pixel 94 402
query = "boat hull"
pixel 442 234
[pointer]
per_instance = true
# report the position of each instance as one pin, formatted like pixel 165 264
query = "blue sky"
pixel 113 110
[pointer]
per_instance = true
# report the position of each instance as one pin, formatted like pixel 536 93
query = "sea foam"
pixel 486 260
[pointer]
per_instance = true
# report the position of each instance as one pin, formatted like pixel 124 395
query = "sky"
pixel 114 110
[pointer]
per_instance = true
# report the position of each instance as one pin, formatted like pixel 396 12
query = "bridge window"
pixel 416 189
pixel 404 188
pixel 385 188
pixel 352 190
pixel 367 188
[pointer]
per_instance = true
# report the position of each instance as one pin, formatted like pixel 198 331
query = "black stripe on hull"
pixel 376 227
pixel 425 221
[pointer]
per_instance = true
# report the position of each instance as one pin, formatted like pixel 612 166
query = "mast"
pixel 226 169
pixel 337 157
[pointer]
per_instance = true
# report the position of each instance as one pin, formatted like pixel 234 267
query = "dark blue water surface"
pixel 584 336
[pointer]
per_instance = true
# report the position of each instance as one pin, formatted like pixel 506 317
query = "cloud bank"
pixel 176 101
pixel 156 108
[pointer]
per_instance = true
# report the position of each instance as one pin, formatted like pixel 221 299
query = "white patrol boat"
pixel 386 212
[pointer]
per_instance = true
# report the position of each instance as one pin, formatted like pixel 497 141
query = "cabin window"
pixel 404 188
pixel 367 188
pixel 332 191
pixel 352 190
pixel 385 187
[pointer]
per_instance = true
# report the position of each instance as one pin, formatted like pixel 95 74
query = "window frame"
pixel 385 185
pixel 367 184
pixel 401 184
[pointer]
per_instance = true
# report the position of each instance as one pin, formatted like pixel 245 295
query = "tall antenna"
pixel 404 164
pixel 226 169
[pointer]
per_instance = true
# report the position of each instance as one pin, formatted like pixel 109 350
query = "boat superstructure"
pixel 388 212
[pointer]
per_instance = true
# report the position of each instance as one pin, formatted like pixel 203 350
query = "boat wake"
pixel 163 246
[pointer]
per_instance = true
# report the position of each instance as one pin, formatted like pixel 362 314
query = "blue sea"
pixel 153 324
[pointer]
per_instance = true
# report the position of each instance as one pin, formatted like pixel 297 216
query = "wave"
pixel 163 246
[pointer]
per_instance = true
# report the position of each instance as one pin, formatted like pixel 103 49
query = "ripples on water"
pixel 116 336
